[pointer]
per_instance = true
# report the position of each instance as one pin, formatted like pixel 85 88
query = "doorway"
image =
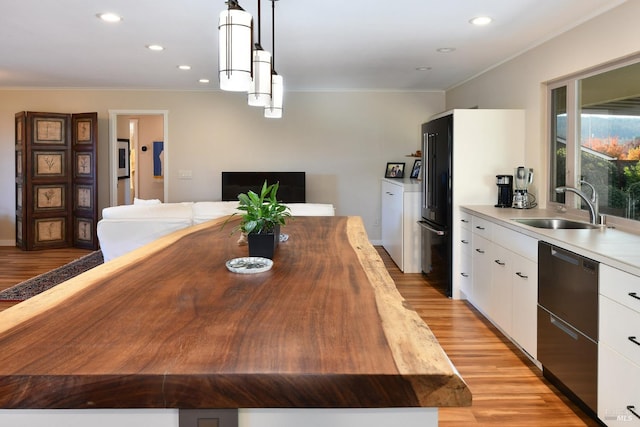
pixel 146 135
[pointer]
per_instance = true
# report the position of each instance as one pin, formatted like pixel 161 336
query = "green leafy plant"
pixel 262 212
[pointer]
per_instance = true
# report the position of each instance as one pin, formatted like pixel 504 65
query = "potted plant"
pixel 261 219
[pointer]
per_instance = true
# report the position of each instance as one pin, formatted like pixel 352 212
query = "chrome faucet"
pixel 591 202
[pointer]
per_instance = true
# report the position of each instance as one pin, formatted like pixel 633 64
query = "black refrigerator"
pixel 435 225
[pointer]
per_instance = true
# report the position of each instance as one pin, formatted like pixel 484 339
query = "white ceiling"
pixel 320 45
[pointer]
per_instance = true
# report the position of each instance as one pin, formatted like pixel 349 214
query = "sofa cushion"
pixel 162 211
pixel 205 211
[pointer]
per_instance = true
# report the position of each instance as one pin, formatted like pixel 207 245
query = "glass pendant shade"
pixel 260 86
pixel 274 109
pixel 234 51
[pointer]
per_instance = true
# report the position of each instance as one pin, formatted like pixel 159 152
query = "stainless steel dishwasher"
pixel 568 322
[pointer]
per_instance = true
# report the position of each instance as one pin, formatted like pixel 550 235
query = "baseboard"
pixel 376 242
pixel 7 242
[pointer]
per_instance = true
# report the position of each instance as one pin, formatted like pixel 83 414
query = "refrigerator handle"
pixel 427 227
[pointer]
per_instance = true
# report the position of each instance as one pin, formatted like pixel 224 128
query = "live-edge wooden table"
pixel 168 326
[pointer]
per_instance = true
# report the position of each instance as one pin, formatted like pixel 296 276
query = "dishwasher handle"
pixel 560 325
pixel 565 256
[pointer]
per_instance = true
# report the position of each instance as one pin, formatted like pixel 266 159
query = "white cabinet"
pixel 619 348
pixel 399 221
pixel 524 303
pixel 505 280
pixel 465 249
pixel 482 259
pixel 486 143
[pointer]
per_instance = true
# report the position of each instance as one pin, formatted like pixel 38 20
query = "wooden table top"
pixel 169 326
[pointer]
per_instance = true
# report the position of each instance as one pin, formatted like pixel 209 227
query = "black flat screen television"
pixel 292 187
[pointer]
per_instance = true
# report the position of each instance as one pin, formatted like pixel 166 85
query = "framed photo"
pixel 123 158
pixel 394 170
pixel 84 230
pixel 84 164
pixel 47 197
pixel 417 167
pixel 49 131
pixel 84 197
pixel 48 164
pixel 158 159
pixel 83 132
pixel 49 230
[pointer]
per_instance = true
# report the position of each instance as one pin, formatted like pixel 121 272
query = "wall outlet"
pixel 185 174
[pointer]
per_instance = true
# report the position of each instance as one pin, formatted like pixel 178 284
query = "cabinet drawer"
pixel 465 240
pixel 465 220
pixel 618 388
pixel 621 287
pixel 481 227
pixel 517 242
pixel 620 329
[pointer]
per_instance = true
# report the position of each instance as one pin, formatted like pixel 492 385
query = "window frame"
pixel 572 82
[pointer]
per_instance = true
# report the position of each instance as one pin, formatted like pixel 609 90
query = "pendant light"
pixel 235 32
pixel 274 109
pixel 260 86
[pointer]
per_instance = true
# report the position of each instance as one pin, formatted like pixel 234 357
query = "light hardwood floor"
pixel 507 388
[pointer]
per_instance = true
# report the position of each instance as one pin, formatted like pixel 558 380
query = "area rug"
pixel 41 283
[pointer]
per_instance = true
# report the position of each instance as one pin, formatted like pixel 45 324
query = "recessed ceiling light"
pixel 184 67
pixel 423 68
pixel 446 49
pixel 203 80
pixel 155 47
pixel 481 20
pixel 109 17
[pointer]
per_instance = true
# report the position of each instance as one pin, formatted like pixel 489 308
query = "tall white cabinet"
pixel 401 200
pixel 486 143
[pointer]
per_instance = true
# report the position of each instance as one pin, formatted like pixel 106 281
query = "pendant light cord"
pixel 259 45
pixel 273 35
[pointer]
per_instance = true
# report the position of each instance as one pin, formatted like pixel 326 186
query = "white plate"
pixel 249 265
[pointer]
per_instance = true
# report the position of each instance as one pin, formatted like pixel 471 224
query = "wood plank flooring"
pixel 508 389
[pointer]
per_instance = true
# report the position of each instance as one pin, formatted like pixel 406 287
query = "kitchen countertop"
pixel 168 326
pixel 616 248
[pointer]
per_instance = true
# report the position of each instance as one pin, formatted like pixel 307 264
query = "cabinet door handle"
pixel 634 295
pixel 634 340
pixel 465 220
pixel 466 242
pixel 523 276
pixel 480 251
pixel 500 263
pixel 464 274
pixel 479 228
pixel 631 409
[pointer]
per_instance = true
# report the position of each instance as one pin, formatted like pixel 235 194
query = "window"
pixel 595 138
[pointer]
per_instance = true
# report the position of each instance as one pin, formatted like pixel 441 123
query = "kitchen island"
pixel 168 327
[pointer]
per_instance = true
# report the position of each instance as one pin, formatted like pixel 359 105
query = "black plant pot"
pixel 263 245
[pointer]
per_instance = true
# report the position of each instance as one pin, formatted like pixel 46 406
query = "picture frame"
pixel 123 158
pixel 417 168
pixel 83 197
pixel 49 131
pixel 394 170
pixel 49 197
pixel 48 164
pixel 158 159
pixel 84 164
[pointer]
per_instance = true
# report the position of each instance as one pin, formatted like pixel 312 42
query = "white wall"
pixel 342 140
pixel 520 83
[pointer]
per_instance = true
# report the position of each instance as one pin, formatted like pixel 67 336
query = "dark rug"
pixel 41 283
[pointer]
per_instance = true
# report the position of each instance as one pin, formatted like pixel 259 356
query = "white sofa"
pixel 125 228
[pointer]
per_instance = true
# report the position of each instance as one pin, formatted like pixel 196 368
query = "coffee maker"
pixel 522 179
pixel 505 191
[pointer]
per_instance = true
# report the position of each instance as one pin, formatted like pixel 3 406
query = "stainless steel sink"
pixel 555 223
